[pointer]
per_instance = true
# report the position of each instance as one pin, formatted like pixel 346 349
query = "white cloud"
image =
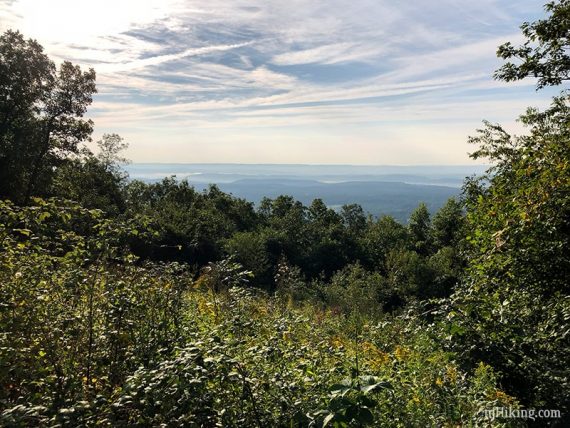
pixel 81 21
pixel 159 59
pixel 328 54
pixel 308 71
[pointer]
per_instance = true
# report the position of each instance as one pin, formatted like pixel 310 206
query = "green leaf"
pixel 328 419
pixel 365 416
pixel 371 388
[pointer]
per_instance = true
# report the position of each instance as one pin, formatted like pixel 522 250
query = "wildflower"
pixel 451 374
pixel 401 353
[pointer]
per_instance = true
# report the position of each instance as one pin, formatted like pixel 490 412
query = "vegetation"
pixel 132 304
pixel 544 55
pixel 41 110
pixel 94 336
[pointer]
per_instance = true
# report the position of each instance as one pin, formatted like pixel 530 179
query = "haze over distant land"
pixel 393 190
pixel 288 82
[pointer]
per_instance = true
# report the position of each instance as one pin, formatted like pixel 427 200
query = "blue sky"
pixel 297 81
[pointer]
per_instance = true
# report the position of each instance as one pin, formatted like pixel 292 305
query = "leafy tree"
pixel 319 213
pixel 410 276
pixel 110 146
pixel 448 261
pixel 41 112
pixel 249 249
pixel 381 237
pixel 190 226
pixel 513 309
pixel 354 289
pixel 446 267
pixel 330 247
pixel 287 221
pixel 353 218
pixel 545 54
pixel 286 214
pixel 95 181
pixel 447 225
pixel 419 227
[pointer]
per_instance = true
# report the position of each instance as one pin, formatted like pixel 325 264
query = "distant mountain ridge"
pixel 391 190
pixel 376 197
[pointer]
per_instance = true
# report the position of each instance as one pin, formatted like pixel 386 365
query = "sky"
pixel 375 82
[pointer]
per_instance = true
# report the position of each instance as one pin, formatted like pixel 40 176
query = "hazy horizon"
pixel 312 164
pixel 159 168
pixel 391 190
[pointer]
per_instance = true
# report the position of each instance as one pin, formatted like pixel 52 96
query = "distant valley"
pixel 392 190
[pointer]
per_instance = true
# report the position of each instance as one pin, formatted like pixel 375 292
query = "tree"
pixel 545 54
pixel 353 218
pixel 95 181
pixel 287 222
pixel 110 147
pixel 512 310
pixel 419 227
pixel 447 224
pixel 191 226
pixel 381 237
pixel 354 289
pixel 331 244
pixel 409 275
pixel 41 115
pixel 249 249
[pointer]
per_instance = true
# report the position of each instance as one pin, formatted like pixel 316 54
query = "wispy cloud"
pixel 329 54
pixel 159 59
pixel 260 72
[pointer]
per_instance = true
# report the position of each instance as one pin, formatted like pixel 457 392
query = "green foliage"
pixel 545 53
pixel 261 365
pixel 331 245
pixel 190 226
pixel 290 283
pixel 350 403
pixel 76 316
pixel 409 274
pixel 224 274
pixel 316 238
pixel 448 225
pixel 380 238
pixel 95 181
pixel 353 218
pixel 90 336
pixel 41 116
pixel 300 315
pixel 419 228
pixel 353 289
pixel 512 311
pixel 250 250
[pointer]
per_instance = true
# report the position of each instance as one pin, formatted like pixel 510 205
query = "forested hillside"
pixel 124 303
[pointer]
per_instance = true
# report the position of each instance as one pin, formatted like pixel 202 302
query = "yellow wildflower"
pixel 374 356
pixel 336 342
pixel 452 374
pixel 401 352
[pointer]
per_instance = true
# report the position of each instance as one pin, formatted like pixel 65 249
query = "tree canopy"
pixel 512 308
pixel 41 115
pixel 546 53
